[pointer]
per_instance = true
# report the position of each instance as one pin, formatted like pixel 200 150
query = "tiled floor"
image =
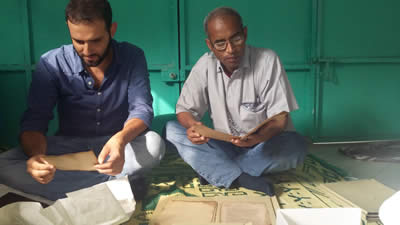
pixel 386 173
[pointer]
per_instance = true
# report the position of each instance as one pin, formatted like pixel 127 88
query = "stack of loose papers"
pixel 103 204
pixel 366 194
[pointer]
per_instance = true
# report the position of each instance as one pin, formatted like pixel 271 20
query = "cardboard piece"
pixel 210 133
pixel 319 216
pixel 367 194
pixel 232 210
pixel 83 161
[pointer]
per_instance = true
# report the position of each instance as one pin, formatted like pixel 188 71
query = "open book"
pixel 210 133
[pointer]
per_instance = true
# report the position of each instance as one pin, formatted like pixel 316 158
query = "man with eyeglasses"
pixel 240 86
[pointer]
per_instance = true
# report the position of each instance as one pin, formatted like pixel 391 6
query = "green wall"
pixel 341 57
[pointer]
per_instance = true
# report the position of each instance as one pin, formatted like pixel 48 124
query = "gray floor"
pixel 386 173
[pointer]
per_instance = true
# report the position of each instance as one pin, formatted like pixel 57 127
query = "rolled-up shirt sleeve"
pixel 194 95
pixel 42 99
pixel 139 96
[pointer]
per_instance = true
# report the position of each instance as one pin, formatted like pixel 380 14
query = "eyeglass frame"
pixel 240 34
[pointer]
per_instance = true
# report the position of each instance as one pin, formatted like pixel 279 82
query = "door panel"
pixel 359 63
pixel 151 25
pixel 48 27
pixel 12 105
pixel 361 102
pixel 360 28
pixel 303 117
pixel 11 37
pixel 284 26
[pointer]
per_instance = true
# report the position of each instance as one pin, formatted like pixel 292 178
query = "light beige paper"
pixel 244 212
pixel 210 133
pixel 197 210
pixel 367 194
pixel 83 161
pixel 178 211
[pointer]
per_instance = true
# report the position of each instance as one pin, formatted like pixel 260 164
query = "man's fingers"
pixel 200 141
pixel 105 165
pixel 41 173
pixel 42 176
pixel 108 168
pixel 45 180
pixel 42 166
pixel 102 156
pixel 109 171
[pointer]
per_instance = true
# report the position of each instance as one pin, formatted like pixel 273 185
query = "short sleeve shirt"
pixel 257 90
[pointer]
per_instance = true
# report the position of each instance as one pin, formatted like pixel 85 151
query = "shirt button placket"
pixel 98 110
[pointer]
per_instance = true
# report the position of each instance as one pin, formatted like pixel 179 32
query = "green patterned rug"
pixel 297 188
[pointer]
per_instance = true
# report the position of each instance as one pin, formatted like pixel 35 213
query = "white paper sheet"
pixel 320 216
pixel 107 203
pixel 389 210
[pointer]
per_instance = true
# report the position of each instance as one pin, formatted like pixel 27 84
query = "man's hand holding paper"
pixel 252 138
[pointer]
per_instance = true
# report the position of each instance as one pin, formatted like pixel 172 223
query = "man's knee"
pixel 298 145
pixel 173 129
pixel 155 145
pixel 290 151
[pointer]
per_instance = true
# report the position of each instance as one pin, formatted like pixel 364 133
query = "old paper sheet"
pixel 210 133
pixel 245 212
pixel 177 211
pixel 83 161
pixel 218 210
pixel 368 194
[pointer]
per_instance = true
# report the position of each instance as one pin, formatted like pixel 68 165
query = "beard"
pixel 100 59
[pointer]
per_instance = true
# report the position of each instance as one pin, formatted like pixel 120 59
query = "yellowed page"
pixel 83 161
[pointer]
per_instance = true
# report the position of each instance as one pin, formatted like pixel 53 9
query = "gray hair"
pixel 218 12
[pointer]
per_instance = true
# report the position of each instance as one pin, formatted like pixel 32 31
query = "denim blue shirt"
pixel 61 79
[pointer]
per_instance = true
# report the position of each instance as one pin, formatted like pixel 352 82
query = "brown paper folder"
pixel 210 133
pixel 83 161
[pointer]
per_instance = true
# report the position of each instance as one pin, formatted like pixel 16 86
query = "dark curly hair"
pixel 78 11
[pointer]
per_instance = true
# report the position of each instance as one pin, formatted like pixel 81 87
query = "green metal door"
pixel 14 67
pixel 342 57
pixel 153 26
pixel 358 66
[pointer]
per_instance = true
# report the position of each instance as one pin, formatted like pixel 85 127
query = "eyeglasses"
pixel 236 40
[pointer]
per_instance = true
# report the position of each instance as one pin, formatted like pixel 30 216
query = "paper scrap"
pixel 367 194
pixel 83 161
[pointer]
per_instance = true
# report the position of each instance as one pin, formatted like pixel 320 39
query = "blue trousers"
pixel 220 162
pixel 141 154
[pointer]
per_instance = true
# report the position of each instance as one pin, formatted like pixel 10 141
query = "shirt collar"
pixel 245 61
